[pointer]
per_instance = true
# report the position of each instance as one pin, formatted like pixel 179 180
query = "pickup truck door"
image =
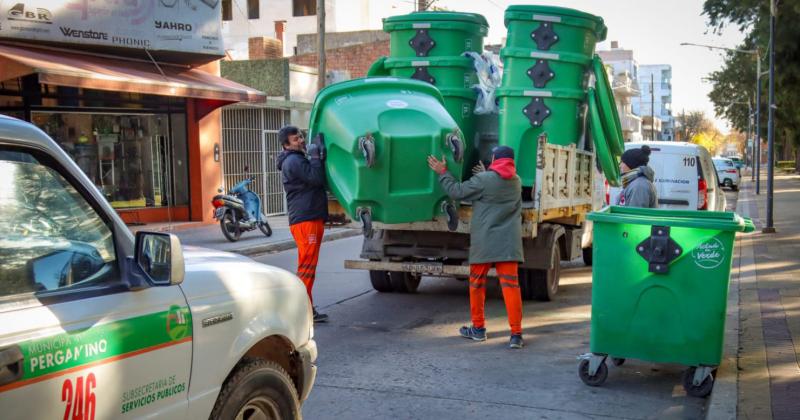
pixel 75 342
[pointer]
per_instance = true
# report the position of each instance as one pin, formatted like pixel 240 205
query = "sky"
pixel 653 29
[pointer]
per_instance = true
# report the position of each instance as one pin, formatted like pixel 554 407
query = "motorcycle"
pixel 239 211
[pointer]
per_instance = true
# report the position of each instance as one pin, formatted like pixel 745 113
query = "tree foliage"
pixel 734 84
pixel 693 123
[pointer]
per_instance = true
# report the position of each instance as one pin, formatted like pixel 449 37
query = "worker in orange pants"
pixel 509 284
pixel 303 177
pixel 495 235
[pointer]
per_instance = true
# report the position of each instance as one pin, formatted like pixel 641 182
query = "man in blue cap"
pixel 495 236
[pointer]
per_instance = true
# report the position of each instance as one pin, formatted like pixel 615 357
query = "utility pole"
pixel 422 5
pixel 770 228
pixel 321 71
pixel 652 110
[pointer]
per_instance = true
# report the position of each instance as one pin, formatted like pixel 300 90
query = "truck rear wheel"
pixel 403 282
pixel 544 283
pixel 380 280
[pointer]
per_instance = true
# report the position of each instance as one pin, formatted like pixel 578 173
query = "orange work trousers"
pixel 509 283
pixel 308 236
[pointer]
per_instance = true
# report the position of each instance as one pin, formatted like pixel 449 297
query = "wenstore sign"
pixel 168 25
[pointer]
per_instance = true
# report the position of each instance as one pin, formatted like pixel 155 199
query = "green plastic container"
pixel 672 317
pixel 553 29
pixel 435 34
pixel 443 72
pixel 377 68
pixel 378 133
pixel 460 104
pixel 556 112
pixel 523 67
pixel 608 160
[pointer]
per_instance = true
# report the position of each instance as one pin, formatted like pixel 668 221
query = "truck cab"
pixel 97 323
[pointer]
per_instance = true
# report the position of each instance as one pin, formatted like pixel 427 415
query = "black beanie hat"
pixel 285 132
pixel 635 158
pixel 503 152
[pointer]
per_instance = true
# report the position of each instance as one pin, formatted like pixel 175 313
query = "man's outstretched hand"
pixel 438 166
pixel 478 168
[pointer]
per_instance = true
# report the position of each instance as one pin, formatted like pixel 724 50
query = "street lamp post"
pixel 757 53
pixel 770 228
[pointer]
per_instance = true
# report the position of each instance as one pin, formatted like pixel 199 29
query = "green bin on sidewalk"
pixel 660 289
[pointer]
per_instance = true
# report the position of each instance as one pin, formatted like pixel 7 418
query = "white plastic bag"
pixel 487 66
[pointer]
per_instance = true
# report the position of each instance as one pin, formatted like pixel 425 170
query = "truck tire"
pixel 587 256
pixel 259 389
pixel 526 283
pixel 380 281
pixel 544 283
pixel 403 282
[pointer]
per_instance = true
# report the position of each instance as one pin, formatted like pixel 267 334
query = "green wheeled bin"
pixel 553 29
pixel 443 72
pixel 527 113
pixel 660 290
pixel 378 133
pixel 539 70
pixel 429 34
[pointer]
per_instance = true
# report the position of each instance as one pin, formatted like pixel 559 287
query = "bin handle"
pixel 456 146
pixel 367 146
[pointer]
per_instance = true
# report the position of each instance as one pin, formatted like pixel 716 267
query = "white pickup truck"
pixel 95 323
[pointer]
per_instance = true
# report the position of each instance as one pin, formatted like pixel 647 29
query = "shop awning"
pixel 60 68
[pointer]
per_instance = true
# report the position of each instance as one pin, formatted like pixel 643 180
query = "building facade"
pixel 284 20
pixel 623 69
pixel 131 93
pixel 655 81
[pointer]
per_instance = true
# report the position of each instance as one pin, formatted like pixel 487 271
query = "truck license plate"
pixel 431 268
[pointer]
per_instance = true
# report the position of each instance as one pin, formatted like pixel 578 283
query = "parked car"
pixel 738 161
pixel 95 323
pixel 727 173
pixel 685 176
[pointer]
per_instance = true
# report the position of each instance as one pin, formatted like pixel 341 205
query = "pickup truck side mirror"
pixel 160 257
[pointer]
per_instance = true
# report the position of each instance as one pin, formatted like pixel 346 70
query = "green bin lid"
pixel 568 57
pixel 445 61
pixel 717 220
pixel 608 108
pixel 465 93
pixel 542 93
pixel 559 15
pixel 605 156
pixel 434 18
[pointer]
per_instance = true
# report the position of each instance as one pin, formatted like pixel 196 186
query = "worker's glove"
pixel 319 141
pixel 314 151
pixel 478 168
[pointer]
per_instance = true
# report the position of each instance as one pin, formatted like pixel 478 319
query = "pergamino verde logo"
pixel 709 253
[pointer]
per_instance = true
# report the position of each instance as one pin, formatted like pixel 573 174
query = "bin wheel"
pixel 700 391
pixel 403 282
pixel 545 282
pixel 618 361
pixel 598 379
pixel 380 281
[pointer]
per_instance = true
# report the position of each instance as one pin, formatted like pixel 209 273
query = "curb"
pixel 288 244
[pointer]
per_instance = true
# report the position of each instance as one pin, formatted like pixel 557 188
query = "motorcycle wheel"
pixel 230 229
pixel 265 228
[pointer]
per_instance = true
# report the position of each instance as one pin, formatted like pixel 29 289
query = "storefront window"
pixel 136 160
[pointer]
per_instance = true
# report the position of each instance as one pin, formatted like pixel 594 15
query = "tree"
pixel 735 81
pixel 693 123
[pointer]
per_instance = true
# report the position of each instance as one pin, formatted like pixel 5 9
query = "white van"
pixel 685 176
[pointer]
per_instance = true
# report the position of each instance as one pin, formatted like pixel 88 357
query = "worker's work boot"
pixel 516 341
pixel 477 334
pixel 318 317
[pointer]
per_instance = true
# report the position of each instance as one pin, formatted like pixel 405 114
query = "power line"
pixel 495 4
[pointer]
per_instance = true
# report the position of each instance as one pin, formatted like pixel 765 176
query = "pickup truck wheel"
pixel 545 282
pixel 380 281
pixel 258 389
pixel 403 282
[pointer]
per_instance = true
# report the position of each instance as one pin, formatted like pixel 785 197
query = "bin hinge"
pixel 536 111
pixel 421 73
pixel 540 74
pixel 659 249
pixel 544 36
pixel 422 43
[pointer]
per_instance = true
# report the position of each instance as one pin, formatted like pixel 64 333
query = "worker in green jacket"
pixel 495 236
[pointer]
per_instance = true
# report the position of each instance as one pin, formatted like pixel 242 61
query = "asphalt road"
pixel 386 355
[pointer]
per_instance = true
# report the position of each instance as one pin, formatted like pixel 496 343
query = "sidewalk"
pixel 760 375
pixel 251 243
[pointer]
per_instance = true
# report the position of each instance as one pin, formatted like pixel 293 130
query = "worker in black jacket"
pixel 303 176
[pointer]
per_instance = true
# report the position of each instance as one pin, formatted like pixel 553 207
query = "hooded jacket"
pixel 496 226
pixel 638 190
pixel 304 183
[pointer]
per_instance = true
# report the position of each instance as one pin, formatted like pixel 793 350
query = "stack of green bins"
pixel 546 62
pixel 659 290
pixel 378 133
pixel 430 46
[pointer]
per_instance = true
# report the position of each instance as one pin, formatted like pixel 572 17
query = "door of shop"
pixel 250 141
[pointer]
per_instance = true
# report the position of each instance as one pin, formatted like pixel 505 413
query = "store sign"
pixel 189 26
